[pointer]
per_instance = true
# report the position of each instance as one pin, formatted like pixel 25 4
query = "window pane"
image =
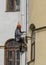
pixel 9 62
pixel 17 5
pixel 17 57
pixel 9 54
pixel 18 54
pixel 18 2
pixel 11 5
pixel 18 63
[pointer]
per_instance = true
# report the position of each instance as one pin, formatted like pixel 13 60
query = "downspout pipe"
pixel 26 17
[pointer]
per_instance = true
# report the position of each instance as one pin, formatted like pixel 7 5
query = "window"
pixel 32 42
pixel 9 58
pixel 12 55
pixel 12 5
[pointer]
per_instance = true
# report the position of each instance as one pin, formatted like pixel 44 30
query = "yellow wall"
pixel 40 48
pixel 29 47
pixel 37 16
pixel 37 11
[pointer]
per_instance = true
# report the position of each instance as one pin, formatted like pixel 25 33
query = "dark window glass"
pixel 17 2
pixel 11 3
pixel 9 54
pixel 18 63
pixel 18 54
pixel 9 62
pixel 17 5
pixel 17 57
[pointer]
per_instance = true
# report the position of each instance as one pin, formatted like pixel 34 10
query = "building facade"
pixel 11 12
pixel 37 15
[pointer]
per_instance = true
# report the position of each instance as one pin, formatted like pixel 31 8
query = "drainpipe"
pixel 26 17
pixel 26 33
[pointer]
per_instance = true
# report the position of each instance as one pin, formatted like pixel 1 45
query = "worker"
pixel 18 34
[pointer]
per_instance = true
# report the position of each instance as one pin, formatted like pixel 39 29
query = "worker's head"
pixel 19 26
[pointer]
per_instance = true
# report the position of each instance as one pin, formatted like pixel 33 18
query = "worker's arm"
pixel 19 33
pixel 23 31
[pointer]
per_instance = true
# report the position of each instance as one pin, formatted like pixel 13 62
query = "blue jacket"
pixel 18 34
